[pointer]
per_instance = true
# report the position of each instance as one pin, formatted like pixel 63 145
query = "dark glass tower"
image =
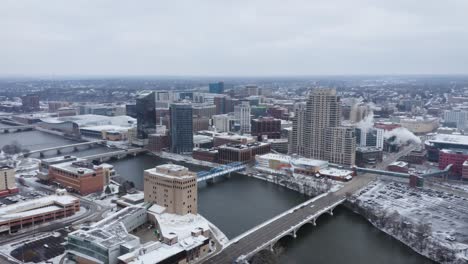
pixel 145 114
pixel 181 128
pixel 217 87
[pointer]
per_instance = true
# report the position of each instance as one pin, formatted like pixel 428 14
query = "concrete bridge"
pixel 16 128
pixel 59 148
pixel 120 154
pixel 210 175
pixel 264 236
pixel 442 173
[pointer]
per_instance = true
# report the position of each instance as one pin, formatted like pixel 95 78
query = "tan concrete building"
pixel 173 187
pixel 341 145
pixel 317 132
pixel 7 180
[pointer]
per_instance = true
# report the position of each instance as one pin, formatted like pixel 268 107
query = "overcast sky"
pixel 233 37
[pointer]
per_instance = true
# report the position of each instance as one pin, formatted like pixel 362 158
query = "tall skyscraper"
pixel 173 187
pixel 317 131
pixel 217 87
pixel 296 138
pixel 242 113
pixel 145 114
pixel 181 128
pixel 322 111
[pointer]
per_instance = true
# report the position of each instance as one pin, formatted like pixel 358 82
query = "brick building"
pixel 398 166
pixel 158 142
pixel 78 176
pixel 241 153
pixel 266 126
pixel 210 155
pixel 368 156
pixel 37 211
pixel 456 157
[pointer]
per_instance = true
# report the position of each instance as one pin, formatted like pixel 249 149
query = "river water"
pixel 239 203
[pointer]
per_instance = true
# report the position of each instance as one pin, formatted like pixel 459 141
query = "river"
pixel 239 203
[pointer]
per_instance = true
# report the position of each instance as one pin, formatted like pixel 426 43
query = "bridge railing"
pixel 283 233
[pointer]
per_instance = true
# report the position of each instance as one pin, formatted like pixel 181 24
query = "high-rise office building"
pixel 372 137
pixel 252 89
pixel 173 187
pixel 145 114
pixel 181 128
pixel 242 113
pixel 317 131
pixel 340 145
pixel 217 87
pixel 296 137
pixel 456 117
pixel 322 111
pixel 30 103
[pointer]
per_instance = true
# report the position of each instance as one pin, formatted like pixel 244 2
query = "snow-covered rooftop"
pixel 450 139
pixel 180 225
pixel 94 120
pixel 35 206
pixel 336 172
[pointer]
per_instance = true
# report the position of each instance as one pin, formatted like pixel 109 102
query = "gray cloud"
pixel 221 37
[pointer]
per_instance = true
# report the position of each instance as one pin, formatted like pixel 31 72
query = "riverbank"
pixel 441 240
pixel 303 184
pixel 432 223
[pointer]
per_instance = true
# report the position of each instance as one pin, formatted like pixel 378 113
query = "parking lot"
pixel 42 249
pixel 447 213
pixel 24 194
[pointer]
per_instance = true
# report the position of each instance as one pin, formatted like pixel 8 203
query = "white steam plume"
pixel 402 136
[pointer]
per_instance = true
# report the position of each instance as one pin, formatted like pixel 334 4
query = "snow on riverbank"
pixel 304 184
pixel 433 223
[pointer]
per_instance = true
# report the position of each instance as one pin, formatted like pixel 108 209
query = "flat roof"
pixel 399 164
pixel 110 231
pixel 455 151
pixel 171 168
pixel 336 172
pixel 450 139
pixel 31 207
pixel 72 167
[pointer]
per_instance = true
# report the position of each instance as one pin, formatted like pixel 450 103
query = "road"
pixel 92 214
pixel 267 233
pixel 392 157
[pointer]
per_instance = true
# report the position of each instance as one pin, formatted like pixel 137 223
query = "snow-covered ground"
pixel 311 186
pixel 432 222
pixel 461 186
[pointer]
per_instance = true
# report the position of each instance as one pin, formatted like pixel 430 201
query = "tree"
pixel 108 190
pixel 265 257
pixel 122 189
pixel 12 148
pixel 423 230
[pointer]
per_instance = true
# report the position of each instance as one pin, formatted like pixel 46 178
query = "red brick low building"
pixel 210 155
pixel 266 126
pixel 398 166
pixel 80 177
pixel 158 142
pixel 456 157
pixel 37 211
pixel 241 153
